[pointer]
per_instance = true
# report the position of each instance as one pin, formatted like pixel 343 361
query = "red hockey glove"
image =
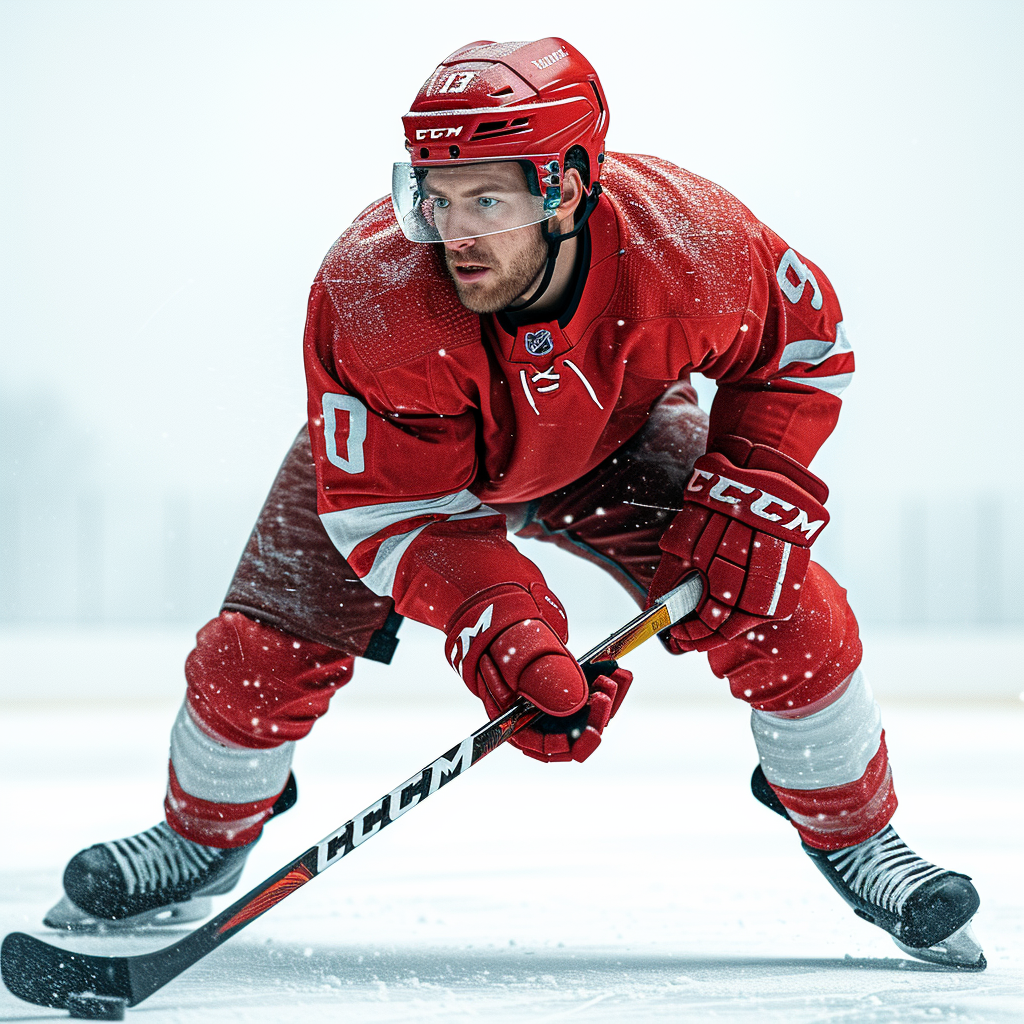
pixel 508 642
pixel 576 737
pixel 747 523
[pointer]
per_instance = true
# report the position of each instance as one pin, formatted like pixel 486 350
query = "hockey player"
pixel 505 345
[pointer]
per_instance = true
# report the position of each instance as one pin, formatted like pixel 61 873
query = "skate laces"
pixel 159 857
pixel 883 870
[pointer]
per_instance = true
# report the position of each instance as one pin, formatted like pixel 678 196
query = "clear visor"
pixel 446 204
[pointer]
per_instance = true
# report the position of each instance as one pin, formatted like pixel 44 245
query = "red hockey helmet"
pixel 530 102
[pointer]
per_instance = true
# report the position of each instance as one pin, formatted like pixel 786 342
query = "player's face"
pixel 495 266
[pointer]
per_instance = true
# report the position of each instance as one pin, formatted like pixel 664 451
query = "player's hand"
pixel 747 523
pixel 508 642
pixel 576 737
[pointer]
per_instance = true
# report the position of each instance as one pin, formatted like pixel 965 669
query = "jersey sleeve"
pixel 781 377
pixel 393 488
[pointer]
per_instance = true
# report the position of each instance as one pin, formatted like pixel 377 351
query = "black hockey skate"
pixel 926 909
pixel 153 878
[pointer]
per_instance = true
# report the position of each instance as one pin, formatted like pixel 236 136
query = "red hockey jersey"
pixel 421 412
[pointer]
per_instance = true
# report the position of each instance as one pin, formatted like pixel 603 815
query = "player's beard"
pixel 511 278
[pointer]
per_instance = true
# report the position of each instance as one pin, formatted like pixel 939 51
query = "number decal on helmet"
pixel 457 81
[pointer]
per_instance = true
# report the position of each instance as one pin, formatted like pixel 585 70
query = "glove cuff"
pixel 748 455
pixel 478 620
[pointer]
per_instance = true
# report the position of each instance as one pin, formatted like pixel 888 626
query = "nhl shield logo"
pixel 538 343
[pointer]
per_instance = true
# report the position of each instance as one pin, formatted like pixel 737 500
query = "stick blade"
pixel 47 976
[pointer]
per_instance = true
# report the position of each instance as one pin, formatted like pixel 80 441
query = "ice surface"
pixel 646 884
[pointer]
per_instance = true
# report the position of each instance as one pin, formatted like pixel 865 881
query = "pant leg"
pixel 266 667
pixel 816 725
pixel 292 577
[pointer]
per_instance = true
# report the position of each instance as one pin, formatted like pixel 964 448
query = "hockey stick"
pixel 48 975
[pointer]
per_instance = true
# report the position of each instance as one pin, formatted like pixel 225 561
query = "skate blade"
pixel 65 916
pixel 960 950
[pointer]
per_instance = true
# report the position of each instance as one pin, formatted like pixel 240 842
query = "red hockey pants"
pixel 296 615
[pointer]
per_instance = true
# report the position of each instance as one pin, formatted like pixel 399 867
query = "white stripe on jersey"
pixel 828 748
pixel 381 577
pixel 834 385
pixel 349 527
pixel 814 351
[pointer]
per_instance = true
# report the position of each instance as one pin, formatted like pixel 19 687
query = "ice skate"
pixel 926 909
pixel 152 879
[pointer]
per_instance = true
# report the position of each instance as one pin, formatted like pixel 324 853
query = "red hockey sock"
pixel 836 816
pixel 213 823
pixel 252 691
pixel 258 686
pixel 817 727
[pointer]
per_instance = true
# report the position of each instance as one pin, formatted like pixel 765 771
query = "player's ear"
pixel 573 194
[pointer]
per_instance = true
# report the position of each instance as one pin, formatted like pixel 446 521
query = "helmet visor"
pixel 448 204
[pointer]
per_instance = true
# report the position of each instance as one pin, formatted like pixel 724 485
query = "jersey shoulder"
pixel 392 301
pixel 686 240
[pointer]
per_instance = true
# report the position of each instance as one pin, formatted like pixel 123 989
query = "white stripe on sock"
pixel 829 748
pixel 225 774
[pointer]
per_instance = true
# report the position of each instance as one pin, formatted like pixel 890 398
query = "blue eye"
pixel 487 202
pixel 440 204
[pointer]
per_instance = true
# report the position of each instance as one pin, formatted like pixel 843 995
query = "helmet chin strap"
pixel 554 243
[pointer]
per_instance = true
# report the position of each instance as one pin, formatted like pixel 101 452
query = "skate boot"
pixel 154 878
pixel 926 909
